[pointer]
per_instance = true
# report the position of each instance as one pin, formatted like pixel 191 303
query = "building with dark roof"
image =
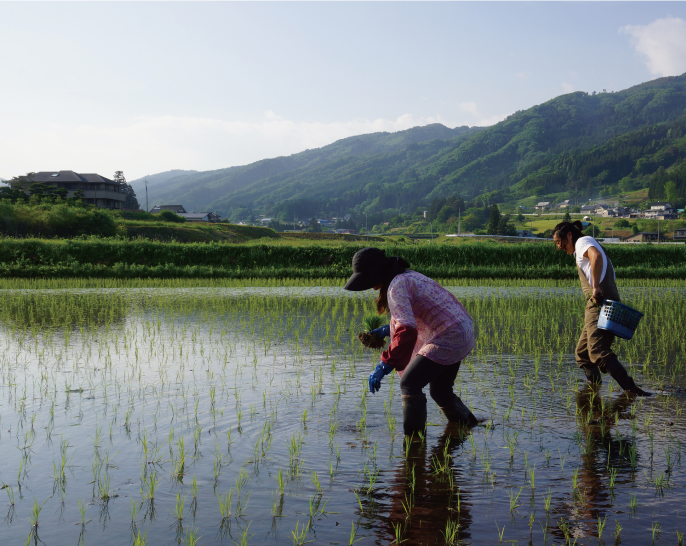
pixel 176 209
pixel 200 216
pixel 97 190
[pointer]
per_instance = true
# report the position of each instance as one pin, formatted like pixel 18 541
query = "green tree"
pixel 567 216
pixel 169 216
pixel 119 177
pixel 131 202
pixel 471 222
pixel 494 220
pixel 314 226
pixel 671 192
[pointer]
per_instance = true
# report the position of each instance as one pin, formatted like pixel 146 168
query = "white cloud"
pixel 522 75
pixel 567 87
pixel 662 43
pixel 154 144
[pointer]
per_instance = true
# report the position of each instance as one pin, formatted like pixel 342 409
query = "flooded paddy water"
pixel 241 415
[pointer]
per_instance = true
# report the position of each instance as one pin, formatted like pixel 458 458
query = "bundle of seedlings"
pixel 369 340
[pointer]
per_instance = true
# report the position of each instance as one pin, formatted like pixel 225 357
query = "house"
pixel 176 209
pixel 200 216
pixel 543 205
pixel 525 233
pixel 643 238
pixel 679 234
pixel 661 211
pixel 588 209
pixel 97 190
pixel 265 221
pixel 564 204
pixel 661 206
pixel 601 210
pixel 622 212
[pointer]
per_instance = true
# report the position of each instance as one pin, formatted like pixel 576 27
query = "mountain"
pixel 210 189
pixel 156 180
pixel 574 143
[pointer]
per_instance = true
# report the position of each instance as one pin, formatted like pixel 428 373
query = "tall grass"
pixel 149 259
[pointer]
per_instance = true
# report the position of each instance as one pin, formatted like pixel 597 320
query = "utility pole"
pixel 459 219
pixel 147 208
pixel 294 221
pixel 366 225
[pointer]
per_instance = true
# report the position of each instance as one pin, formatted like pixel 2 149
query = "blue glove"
pixel 382 332
pixel 381 371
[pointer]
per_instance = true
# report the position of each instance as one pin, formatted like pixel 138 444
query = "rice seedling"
pixel 192 537
pixel 353 535
pixel 315 482
pixel 225 504
pixel 546 500
pixel 451 533
pixel 243 537
pixel 372 341
pixel 82 512
pixel 300 534
pixel 141 539
pixel 656 529
pixel 35 511
pixel 177 510
pixel 513 499
pixel 133 510
pixel 601 525
pixel 398 531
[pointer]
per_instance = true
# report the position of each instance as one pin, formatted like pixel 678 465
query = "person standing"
pixel 430 331
pixel 594 353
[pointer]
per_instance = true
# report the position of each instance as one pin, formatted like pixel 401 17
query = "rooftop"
pixel 69 176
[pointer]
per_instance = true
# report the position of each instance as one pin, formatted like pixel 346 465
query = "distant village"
pixel 103 192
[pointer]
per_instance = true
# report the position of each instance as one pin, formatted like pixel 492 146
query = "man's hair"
pixel 563 228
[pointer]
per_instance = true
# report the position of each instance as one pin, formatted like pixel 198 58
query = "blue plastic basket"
pixel 619 319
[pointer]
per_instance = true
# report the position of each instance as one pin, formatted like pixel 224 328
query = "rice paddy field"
pixel 172 412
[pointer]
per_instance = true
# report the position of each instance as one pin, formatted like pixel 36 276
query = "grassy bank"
pixel 288 259
pixel 19 283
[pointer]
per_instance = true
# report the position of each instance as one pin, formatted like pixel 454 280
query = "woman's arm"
pixel 400 350
pixel 596 259
pixel 405 327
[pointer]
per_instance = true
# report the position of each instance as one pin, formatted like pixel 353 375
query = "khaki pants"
pixel 595 346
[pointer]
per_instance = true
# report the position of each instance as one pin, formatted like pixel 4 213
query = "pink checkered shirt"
pixel 445 333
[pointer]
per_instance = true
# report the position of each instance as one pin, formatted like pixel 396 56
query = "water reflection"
pixel 604 459
pixel 428 498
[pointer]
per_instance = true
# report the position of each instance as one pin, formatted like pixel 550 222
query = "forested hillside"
pixel 214 190
pixel 577 144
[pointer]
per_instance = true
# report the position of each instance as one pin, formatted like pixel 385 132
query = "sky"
pixel 148 87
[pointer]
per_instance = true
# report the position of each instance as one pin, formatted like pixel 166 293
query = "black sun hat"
pixel 371 267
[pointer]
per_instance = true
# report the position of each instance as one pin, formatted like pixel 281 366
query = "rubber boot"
pixel 593 375
pixel 414 413
pixel 620 375
pixel 457 412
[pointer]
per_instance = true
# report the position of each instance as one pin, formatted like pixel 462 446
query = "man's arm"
pixel 596 259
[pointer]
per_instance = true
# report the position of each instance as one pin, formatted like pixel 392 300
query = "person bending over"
pixel 431 333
